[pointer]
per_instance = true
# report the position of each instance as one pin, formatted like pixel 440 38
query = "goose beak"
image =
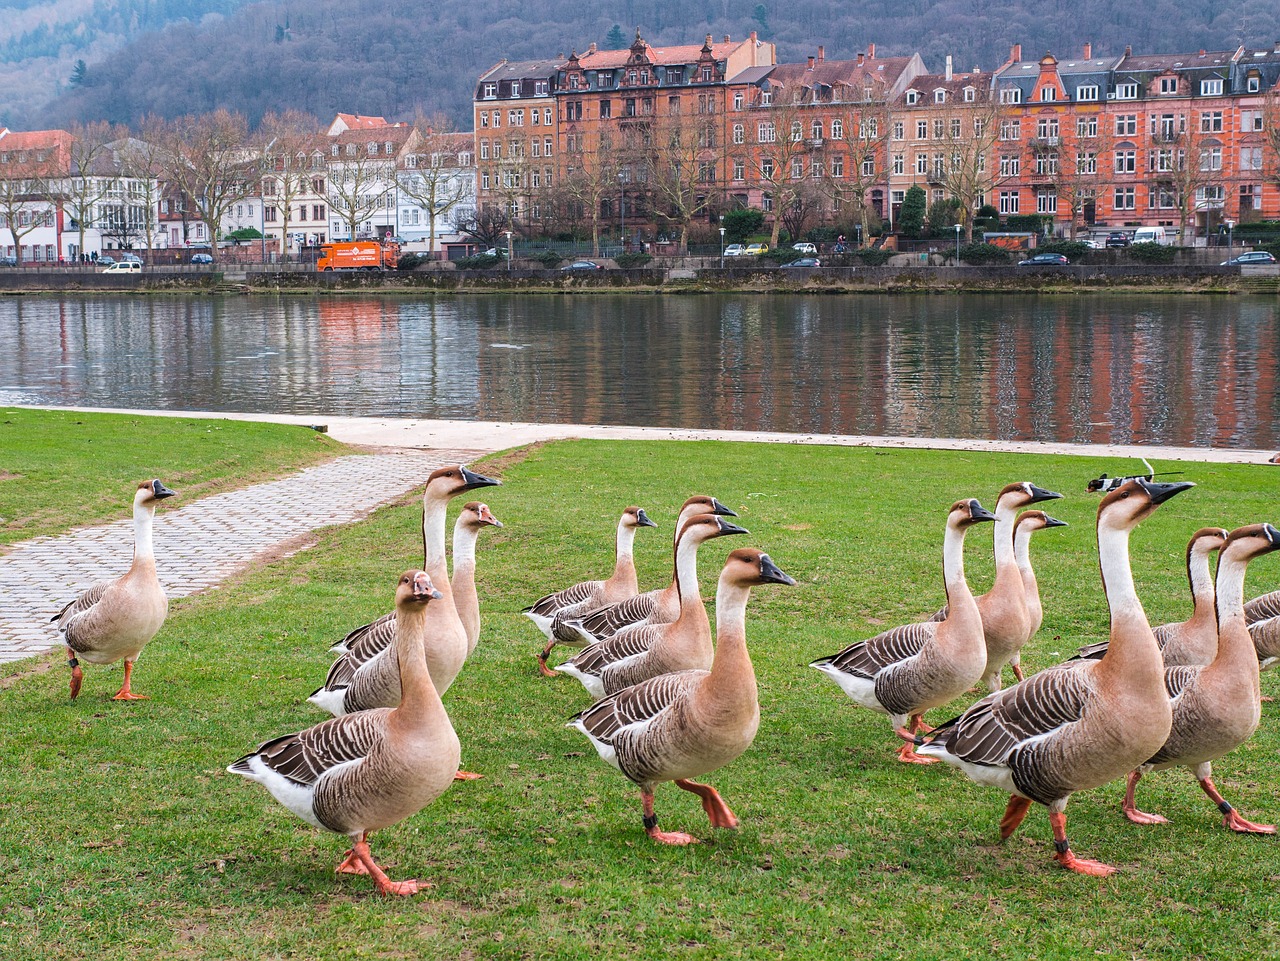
pixel 772 573
pixel 727 528
pixel 718 508
pixel 642 519
pixel 1039 494
pixel 1159 493
pixel 473 480
pixel 979 513
pixel 1053 522
pixel 486 517
pixel 159 491
pixel 1272 535
pixel 423 589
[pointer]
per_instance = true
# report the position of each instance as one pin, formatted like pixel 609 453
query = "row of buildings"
pixel 654 140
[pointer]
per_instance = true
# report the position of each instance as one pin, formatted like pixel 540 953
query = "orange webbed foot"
pixel 1235 822
pixel 1142 817
pixel 467 776
pixel 1083 866
pixel 672 837
pixel 352 865
pixel 403 888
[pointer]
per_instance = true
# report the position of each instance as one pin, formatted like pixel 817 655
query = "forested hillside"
pixel 391 58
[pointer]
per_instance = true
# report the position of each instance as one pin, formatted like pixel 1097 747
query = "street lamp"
pixel 1230 224
pixel 959 227
pixel 722 246
pixel 622 209
pixel 509 251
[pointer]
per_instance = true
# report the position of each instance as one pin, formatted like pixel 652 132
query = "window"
pixel 955 128
pixel 765 132
pixel 1010 129
pixel 546 147
pixel 606 109
pixel 767 168
pixel 1124 199
pixel 1211 121
pixel 837 129
pixel 1086 126
pixel 837 167
pixel 737 100
pixel 766 203
pixel 739 170
pixel 1168 86
pixel 899 164
pixel 1250 121
pixel 484 119
pixel 1086 163
pixel 1010 95
pixel 1047 202
pixel 496 118
pixel 897 196
pixel 1211 87
pixel 1164 197
pixel 868 166
pixel 541 88
pixel 816 169
pixel 1250 158
pixel 318 212
pixel 1047 164
pixel 1165 126
pixel 1126 161
pixel 739 134
pixel 766 97
pixel 899 130
pixel 1126 125
pixel 1162 160
pixel 515 118
pixel 939 96
pixel 484 150
pixel 490 91
pixel 797 131
pixel 1250 196
pixel 546 116
pixel 922 129
pixel 1211 158
pixel 922 163
pixel 939 129
pixel 1008 202
pixel 912 97
pixel 1048 94
pixel 970 95
pixel 1047 128
pixel 1087 92
pixel 1126 91
pixel 537 147
pixel 979 126
pixel 815 130
pixel 797 168
pixel 1210 196
pixel 1010 165
pixel 1253 84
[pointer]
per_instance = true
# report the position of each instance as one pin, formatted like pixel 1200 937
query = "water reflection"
pixel 1177 370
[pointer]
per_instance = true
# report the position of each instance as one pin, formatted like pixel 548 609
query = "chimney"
pixel 822 53
pixel 1015 53
pixel 1128 50
pixel 753 37
pixel 708 40
pixel 859 60
pixel 871 51
pixel 591 49
pixel 948 68
pixel 1201 53
pixel 726 38
pixel 811 63
pixel 1277 47
pixel 1088 51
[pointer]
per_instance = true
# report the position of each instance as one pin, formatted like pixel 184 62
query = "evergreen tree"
pixel 761 16
pixel 78 73
pixel 615 40
pixel 911 214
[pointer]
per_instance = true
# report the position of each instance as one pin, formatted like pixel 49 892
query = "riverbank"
pixel 673 278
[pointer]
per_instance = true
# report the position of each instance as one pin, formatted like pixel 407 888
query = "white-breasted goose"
pixel 356 685
pixel 680 726
pixel 1216 707
pixel 1195 640
pixel 114 620
pixel 357 774
pixel 1028 523
pixel 907 670
pixel 643 651
pixel 1074 727
pixel 653 607
pixel 550 611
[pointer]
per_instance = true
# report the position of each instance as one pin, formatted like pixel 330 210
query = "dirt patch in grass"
pixel 40 667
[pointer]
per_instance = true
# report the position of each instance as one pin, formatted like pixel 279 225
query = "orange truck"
pixel 359 255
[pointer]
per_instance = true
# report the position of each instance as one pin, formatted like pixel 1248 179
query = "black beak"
pixel 979 513
pixel 1039 494
pixel 1273 535
pixel 1053 522
pixel 1159 493
pixel 642 519
pixel 727 528
pixel 718 508
pixel 159 491
pixel 474 480
pixel 771 572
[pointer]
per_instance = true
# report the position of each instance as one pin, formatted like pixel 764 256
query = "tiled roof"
pixel 354 121
pixel 1177 61
pixel 521 69
pixel 611 59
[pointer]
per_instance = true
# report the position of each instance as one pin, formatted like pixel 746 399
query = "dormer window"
pixel 1253 84
pixel 706 74
pixel 490 91
pixel 1168 86
pixel 540 88
pixel 372 148
pixel 1126 91
pixel 1048 94
pixel 939 96
pixel 1087 92
pixel 1011 95
pixel 1211 87
pixel 515 90
pixel 970 95
pixel 912 97
pixel 386 148
pixel 766 97
pixel 351 150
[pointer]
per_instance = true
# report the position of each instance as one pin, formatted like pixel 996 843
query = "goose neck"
pixel 953 565
pixel 434 510
pixel 1198 574
pixel 464 548
pixel 1022 549
pixel 731 667
pixel 687 568
pixel 1132 644
pixel 625 542
pixel 143 524
pixel 1006 516
pixel 418 693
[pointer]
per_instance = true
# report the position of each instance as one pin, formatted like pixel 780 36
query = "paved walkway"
pixel 200 544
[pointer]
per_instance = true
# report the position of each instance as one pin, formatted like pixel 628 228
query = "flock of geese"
pixel 675 700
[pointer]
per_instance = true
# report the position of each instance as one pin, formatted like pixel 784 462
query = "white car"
pixel 735 250
pixel 804 248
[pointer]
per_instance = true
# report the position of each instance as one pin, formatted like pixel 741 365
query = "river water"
pixel 1181 370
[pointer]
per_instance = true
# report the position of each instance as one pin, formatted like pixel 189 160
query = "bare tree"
pixel 1078 164
pixel 25 181
pixel 780 160
pixel 93 177
pixel 1186 167
pixel 489 225
pixel 359 184
pixel 682 170
pixel 854 162
pixel 290 142
pixel 596 177
pixel 807 202
pixel 1271 136
pixel 144 160
pixel 434 176
pixel 966 167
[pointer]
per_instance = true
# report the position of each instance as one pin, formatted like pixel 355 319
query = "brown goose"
pixel 1262 614
pixel 116 619
pixel 357 774
pixel 377 635
pixel 1216 707
pixel 1069 729
pixel 355 685
pixel 905 671
pixel 680 726
pixel 654 607
pixel 1195 640
pixel 1027 524
pixel 643 651
pixel 1006 619
pixel 548 612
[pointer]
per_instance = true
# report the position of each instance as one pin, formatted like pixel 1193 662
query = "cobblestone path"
pixel 199 544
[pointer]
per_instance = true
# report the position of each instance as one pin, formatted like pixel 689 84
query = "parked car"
pixel 496 252
pixel 1118 238
pixel 202 258
pixel 757 249
pixel 804 248
pixel 104 260
pixel 582 265
pixel 123 267
pixel 1250 257
pixel 130 258
pixel 8 261
pixel 1093 244
pixel 1045 260
pixel 735 250
pixel 804 262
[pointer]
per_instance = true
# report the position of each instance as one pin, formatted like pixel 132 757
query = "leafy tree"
pixel 741 222
pixel 243 234
pixel 615 40
pixel 942 216
pixel 911 214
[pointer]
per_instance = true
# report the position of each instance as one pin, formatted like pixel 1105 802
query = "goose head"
pixel 703 527
pixel 965 513
pixel 1133 501
pixel 707 504
pixel 1206 541
pixel 1254 540
pixel 1274 459
pixel 636 517
pixel 1032 521
pixel 151 491
pixel 1024 493
pixel 748 566
pixel 476 515
pixel 415 590
pixel 456 479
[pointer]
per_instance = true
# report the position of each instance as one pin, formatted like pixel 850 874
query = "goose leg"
pixel 124 694
pixel 542 661
pixel 1066 857
pixel 1130 808
pixel 907 753
pixel 1017 667
pixel 712 803
pixel 1013 814
pixel 651 825
pixel 1230 817
pixel 360 852
pixel 77 675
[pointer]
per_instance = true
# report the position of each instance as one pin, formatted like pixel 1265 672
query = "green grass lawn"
pixel 123 837
pixel 60 469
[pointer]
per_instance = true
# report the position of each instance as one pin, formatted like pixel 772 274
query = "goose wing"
pixel 1262 608
pixel 373 638
pixel 551 604
pixel 635 706
pixel 606 621
pixel 1178 679
pixel 83 602
pixel 868 658
pixel 613 650
pixel 1094 652
pixel 304 757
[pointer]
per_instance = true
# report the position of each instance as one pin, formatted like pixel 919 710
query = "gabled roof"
pixel 1176 62
pixel 523 70
pixel 659 56
pixel 48 150
pixel 354 121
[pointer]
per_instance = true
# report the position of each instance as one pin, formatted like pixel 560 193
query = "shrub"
pixel 1028 223
pixel 478 262
pixel 1273 247
pixel 779 255
pixel 1074 249
pixel 1152 253
pixel 873 256
pixel 549 259
pixel 634 258
pixel 911 213
pixel 983 254
pixel 740 223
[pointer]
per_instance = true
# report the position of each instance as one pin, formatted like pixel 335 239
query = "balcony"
pixel 814 143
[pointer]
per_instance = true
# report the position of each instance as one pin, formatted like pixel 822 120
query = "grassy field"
pixel 124 838
pixel 59 469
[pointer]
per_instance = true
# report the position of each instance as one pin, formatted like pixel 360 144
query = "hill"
pixel 389 58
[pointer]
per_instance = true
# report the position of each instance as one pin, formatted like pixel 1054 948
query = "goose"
pixel 680 726
pixel 1216 707
pixel 1195 640
pixel 115 619
pixel 654 607
pixel 355 685
pixel 1071 728
pixel 377 635
pixel 357 774
pixel 1006 618
pixel 907 670
pixel 643 651
pixel 548 611
pixel 1027 524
